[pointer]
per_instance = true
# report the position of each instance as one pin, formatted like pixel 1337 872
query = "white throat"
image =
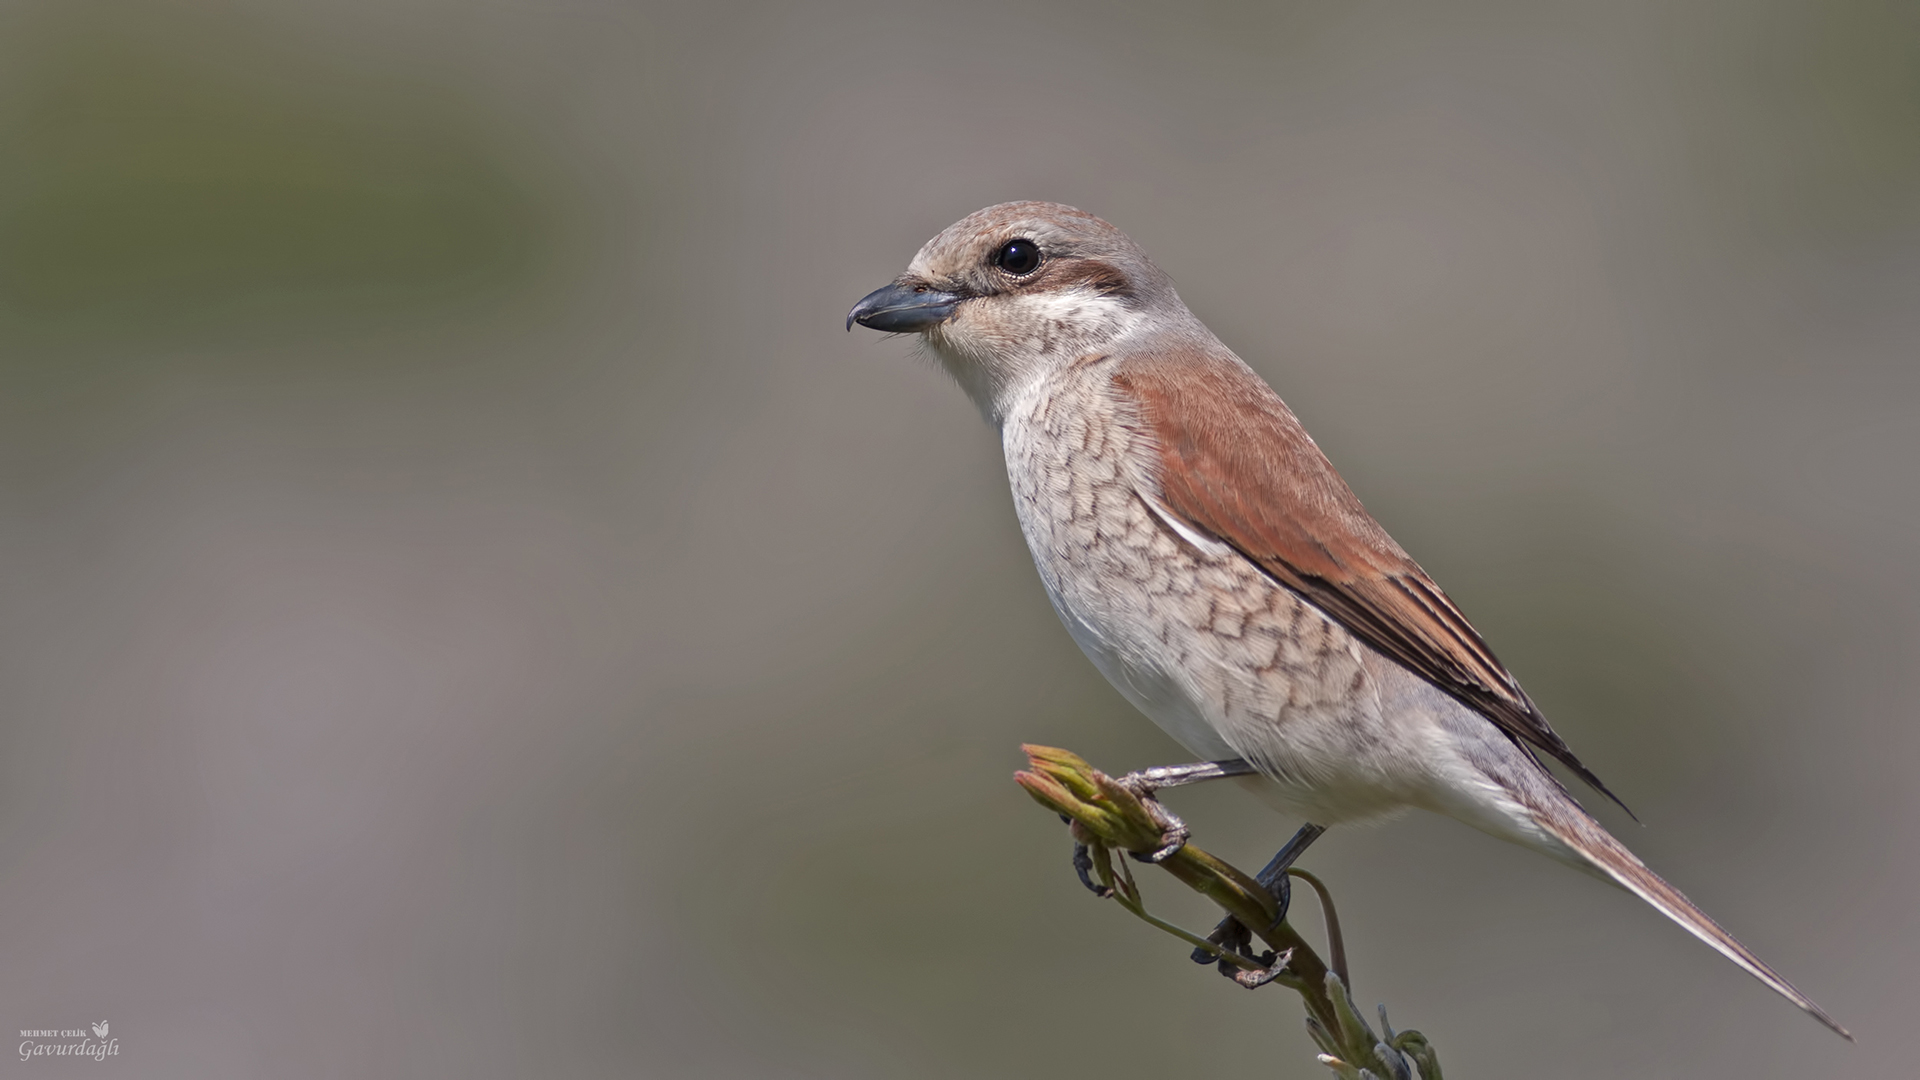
pixel 999 350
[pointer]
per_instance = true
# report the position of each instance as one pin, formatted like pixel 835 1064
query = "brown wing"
pixel 1237 465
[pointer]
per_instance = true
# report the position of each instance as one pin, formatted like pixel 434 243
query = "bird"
pixel 1207 558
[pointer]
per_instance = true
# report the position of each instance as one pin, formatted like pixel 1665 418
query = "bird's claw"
pixel 1273 966
pixel 1231 937
pixel 1173 831
pixel 1234 939
pixel 1172 840
pixel 1173 835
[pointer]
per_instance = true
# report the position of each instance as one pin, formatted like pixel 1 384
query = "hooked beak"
pixel 903 309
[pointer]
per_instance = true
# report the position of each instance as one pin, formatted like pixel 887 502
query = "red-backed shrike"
pixel 1214 566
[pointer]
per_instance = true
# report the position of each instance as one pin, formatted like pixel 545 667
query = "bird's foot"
pixel 1234 937
pixel 1173 831
pixel 1275 966
pixel 1236 941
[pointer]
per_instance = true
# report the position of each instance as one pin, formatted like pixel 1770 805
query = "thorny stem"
pixel 1105 816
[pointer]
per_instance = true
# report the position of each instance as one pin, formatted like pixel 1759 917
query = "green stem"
pixel 1106 816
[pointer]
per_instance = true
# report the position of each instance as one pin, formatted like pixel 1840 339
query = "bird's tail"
pixel 1585 836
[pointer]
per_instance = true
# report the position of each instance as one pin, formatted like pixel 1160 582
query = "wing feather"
pixel 1235 464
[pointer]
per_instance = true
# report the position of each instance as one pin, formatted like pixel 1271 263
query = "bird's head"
pixel 1008 293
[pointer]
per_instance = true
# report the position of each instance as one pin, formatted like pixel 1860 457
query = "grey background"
pixel 468 609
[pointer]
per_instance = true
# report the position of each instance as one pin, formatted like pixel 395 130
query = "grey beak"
pixel 903 309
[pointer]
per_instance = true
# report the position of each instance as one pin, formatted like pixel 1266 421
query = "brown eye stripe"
pixel 1083 273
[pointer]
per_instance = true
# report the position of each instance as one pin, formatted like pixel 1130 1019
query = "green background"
pixel 467 608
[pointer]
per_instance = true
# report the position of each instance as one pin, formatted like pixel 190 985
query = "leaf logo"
pixel 100 1030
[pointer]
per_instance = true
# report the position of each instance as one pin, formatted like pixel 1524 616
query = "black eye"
pixel 1018 257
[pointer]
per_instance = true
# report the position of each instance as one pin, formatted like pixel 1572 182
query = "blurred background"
pixel 468 608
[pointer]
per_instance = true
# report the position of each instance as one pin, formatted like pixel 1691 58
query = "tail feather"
pixel 1593 843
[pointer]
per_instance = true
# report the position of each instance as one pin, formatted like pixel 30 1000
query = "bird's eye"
pixel 1018 257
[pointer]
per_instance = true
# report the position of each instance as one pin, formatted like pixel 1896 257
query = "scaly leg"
pixel 1230 934
pixel 1173 831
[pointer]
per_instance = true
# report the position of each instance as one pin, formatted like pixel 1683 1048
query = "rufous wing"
pixel 1235 464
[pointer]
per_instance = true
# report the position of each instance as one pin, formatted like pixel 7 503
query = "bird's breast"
pixel 1200 639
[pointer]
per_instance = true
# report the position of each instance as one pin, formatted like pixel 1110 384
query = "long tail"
pixel 1584 835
